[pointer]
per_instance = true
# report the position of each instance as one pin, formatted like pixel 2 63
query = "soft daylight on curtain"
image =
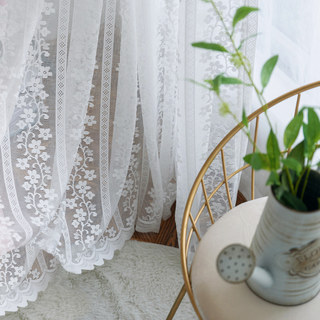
pixel 87 100
pixel 101 129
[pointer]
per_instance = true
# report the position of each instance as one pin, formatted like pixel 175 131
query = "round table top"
pixel 220 300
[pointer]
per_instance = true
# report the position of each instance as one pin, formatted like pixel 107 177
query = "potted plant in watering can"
pixel 285 250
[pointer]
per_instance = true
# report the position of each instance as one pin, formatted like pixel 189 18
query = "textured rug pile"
pixel 141 282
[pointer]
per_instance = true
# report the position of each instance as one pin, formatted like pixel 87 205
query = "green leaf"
pixel 267 70
pixel 230 80
pixel 273 179
pixel 241 13
pixel 308 141
pixel 292 164
pixel 273 151
pixel 292 130
pixel 244 118
pixel 314 123
pixel 289 200
pixel 221 79
pixel 209 46
pixel 284 181
pixel 215 83
pixel 297 153
pixel 278 191
pixel 257 160
pixel 246 39
pixel 318 203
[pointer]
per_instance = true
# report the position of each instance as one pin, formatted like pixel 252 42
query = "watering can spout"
pixel 261 277
pixel 236 263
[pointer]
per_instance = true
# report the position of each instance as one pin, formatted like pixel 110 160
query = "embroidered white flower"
pixel 26 185
pixel 90 175
pixel 33 176
pixel 90 195
pixel 90 121
pixel 19 271
pixel 48 8
pixel 130 220
pixel 82 186
pixel 35 273
pixel 78 160
pixel 71 203
pixel 80 215
pixel 43 95
pixel 22 163
pixel 44 206
pixel 52 263
pixel 45 133
pixel 44 31
pixel 50 194
pixel 87 140
pixel 28 115
pixel 75 223
pixel 21 124
pixel 5 258
pixel 95 229
pixel 45 72
pixel 89 240
pixel 21 102
pixel 13 282
pixel 36 147
pixel 111 232
pixel 35 85
pixel 44 156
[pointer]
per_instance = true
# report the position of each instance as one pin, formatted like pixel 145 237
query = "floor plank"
pixel 168 233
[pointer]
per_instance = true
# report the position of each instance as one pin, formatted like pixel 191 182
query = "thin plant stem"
pixel 299 180
pixel 289 179
pixel 305 183
pixel 248 72
pixel 245 129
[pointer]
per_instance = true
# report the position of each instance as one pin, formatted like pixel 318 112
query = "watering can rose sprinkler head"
pixel 236 263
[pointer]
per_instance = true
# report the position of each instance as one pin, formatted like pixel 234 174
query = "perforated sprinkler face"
pixel 235 263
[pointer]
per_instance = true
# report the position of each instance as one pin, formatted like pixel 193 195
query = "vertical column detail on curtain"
pixel 60 165
pixel 109 24
pixel 126 104
pixel 61 67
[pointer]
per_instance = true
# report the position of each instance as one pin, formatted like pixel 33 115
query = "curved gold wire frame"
pixel 189 217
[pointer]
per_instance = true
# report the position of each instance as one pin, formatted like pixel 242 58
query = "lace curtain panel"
pixel 100 131
pixel 88 90
pixel 200 127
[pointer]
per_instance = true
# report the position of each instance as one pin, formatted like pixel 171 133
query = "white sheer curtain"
pixel 289 28
pixel 98 120
pixel 199 125
pixel 88 90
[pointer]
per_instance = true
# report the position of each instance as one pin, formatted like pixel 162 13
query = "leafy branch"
pixel 290 170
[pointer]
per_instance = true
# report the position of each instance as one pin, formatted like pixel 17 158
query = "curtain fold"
pixel 200 127
pixel 101 129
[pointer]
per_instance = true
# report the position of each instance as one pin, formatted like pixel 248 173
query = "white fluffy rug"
pixel 141 282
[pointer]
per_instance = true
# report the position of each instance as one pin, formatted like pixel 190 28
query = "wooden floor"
pixel 168 233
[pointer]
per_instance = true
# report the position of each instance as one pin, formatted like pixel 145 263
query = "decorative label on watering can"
pixel 304 261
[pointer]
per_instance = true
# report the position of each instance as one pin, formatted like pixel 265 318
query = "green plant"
pixel 289 170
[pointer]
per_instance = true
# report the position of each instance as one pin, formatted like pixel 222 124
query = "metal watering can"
pixel 282 265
